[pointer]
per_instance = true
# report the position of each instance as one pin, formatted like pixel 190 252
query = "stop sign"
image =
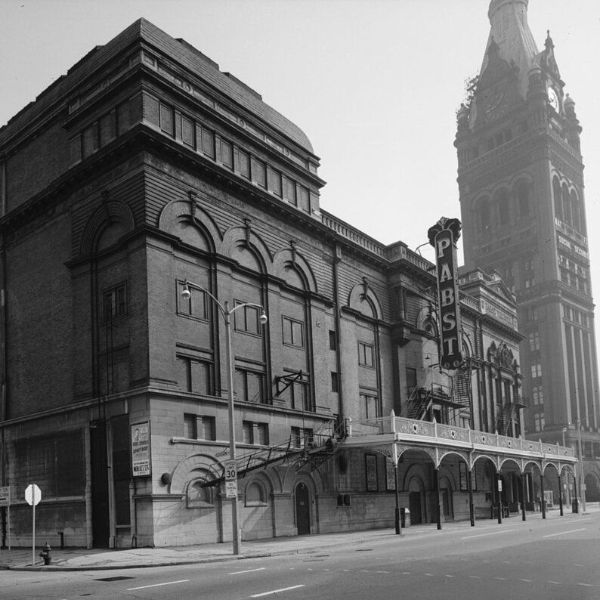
pixel 33 494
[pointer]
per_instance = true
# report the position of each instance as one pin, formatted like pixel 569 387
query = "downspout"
pixel 337 256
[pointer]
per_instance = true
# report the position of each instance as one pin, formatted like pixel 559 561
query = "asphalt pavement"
pixel 83 559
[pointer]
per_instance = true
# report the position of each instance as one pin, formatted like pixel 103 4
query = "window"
pixel 534 341
pixel 301 437
pixel 193 375
pixel 335 382
pixel 537 394
pixel 292 333
pixel 91 141
pixel 538 422
pixel 195 305
pixel 114 303
pixel 200 495
pixel 255 494
pixel 208 142
pixel 226 153
pixel 369 405
pixel 289 190
pixel 536 370
pixel 255 433
pixel 244 163
pixel 199 427
pixel 274 181
pixel 411 379
pixel 303 199
pixel 246 319
pixel 332 340
pixel 365 354
pixel 250 386
pixel 188 132
pixel 166 119
pixel 259 172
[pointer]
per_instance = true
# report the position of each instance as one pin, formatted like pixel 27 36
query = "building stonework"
pixel 522 203
pixel 139 190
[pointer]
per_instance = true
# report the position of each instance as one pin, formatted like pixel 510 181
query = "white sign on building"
pixel 140 449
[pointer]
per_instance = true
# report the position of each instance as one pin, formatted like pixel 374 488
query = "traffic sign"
pixel 33 494
pixel 230 470
pixel 231 489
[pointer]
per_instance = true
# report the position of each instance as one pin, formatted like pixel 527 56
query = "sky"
pixel 375 84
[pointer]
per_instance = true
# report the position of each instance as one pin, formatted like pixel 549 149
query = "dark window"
pixel 198 427
pixel 107 128
pixel 303 199
pixel 365 354
pixel 335 382
pixel 91 141
pixel 332 340
pixel 195 305
pixel 301 437
pixel 250 386
pixel 411 379
pixel 289 190
pixel 167 119
pixel 193 375
pixel 259 172
pixel 255 433
pixel 275 182
pixel 114 303
pixel 227 153
pixel 246 319
pixel 244 163
pixel 208 142
pixel 369 406
pixel 188 132
pixel 121 469
pixel 292 332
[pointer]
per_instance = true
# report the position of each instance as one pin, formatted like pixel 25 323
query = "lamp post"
pixel 226 312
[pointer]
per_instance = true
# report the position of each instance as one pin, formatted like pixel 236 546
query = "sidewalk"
pixel 81 559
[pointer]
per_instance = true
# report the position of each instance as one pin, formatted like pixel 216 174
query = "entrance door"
pixel 414 505
pixel 100 522
pixel 302 509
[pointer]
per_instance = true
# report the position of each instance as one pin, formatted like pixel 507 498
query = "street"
pixel 551 559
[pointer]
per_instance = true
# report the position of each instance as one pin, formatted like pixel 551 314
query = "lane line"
pixel 144 587
pixel 287 589
pixel 565 532
pixel 470 537
pixel 248 571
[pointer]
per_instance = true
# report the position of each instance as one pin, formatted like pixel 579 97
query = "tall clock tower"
pixel 520 176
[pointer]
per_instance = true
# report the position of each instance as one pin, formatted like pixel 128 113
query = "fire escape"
pixel 442 402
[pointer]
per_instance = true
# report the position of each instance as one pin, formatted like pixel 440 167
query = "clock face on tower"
pixel 553 98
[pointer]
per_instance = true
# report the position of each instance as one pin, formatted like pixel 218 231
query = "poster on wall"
pixel 140 449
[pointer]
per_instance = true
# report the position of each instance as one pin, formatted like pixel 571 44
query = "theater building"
pixel 161 235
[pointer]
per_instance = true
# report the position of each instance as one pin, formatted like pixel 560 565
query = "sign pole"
pixel 33 530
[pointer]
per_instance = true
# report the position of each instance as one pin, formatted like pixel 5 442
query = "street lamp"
pixel 581 479
pixel 226 312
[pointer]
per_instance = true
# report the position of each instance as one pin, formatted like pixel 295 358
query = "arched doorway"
pixel 415 500
pixel 592 488
pixel 447 503
pixel 302 509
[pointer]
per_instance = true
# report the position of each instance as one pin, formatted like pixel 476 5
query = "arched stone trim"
pixel 177 212
pixel 461 455
pixel 238 239
pixel 180 476
pixel 292 478
pixel 110 212
pixel 495 460
pixel 362 293
pixel 260 479
pixel 509 460
pixel 427 321
pixel 292 259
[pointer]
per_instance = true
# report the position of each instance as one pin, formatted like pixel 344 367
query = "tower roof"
pixel 510 32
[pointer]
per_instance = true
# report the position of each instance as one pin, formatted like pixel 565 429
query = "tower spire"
pixel 510 32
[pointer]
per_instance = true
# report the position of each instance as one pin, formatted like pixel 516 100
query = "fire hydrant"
pixel 45 554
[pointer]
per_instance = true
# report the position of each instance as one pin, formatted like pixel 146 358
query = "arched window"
pixel 485 220
pixel 503 203
pixel 256 494
pixel 200 496
pixel 523 199
pixel 566 201
pixel 558 212
pixel 575 210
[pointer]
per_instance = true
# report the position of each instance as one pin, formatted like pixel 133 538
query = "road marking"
pixel 474 577
pixel 450 576
pixel 382 571
pixel 248 571
pixel 554 582
pixel 470 537
pixel 585 584
pixel 564 532
pixel 526 580
pixel 143 587
pixel 287 589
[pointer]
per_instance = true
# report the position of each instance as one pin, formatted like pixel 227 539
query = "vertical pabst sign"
pixel 443 237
